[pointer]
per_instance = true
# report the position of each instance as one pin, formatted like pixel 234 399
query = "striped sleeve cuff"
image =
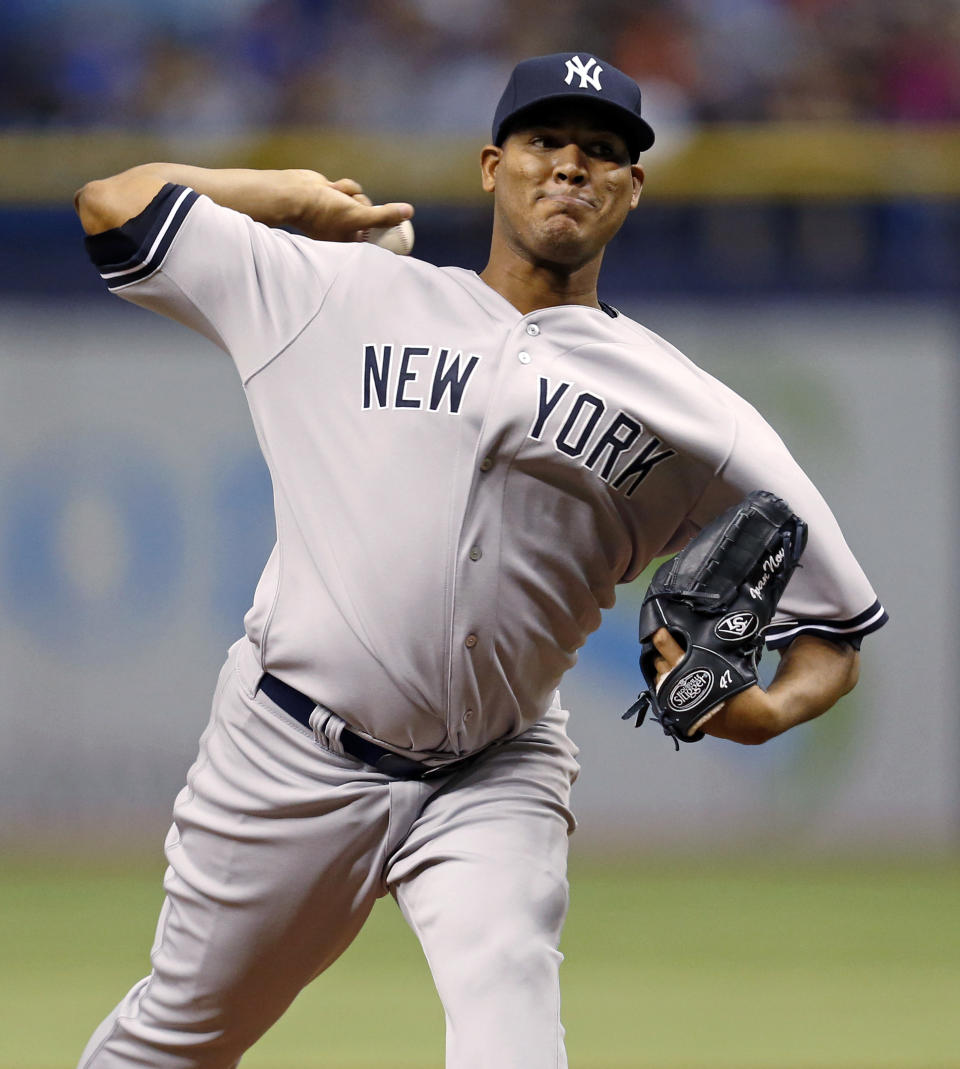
pixel 852 630
pixel 134 251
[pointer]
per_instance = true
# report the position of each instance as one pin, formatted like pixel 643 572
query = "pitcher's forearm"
pixel 812 676
pixel 334 211
pixel 273 197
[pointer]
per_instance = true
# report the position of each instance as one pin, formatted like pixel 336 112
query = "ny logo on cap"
pixel 577 66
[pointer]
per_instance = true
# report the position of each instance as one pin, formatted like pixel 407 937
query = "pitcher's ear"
pixel 490 157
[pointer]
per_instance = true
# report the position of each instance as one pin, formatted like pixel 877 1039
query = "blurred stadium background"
pixel 799 235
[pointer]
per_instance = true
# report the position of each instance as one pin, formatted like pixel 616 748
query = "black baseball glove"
pixel 716 597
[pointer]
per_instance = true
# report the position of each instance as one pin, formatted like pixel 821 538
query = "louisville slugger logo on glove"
pixel 716 597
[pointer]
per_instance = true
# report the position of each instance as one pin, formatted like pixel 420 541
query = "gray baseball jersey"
pixel 459 488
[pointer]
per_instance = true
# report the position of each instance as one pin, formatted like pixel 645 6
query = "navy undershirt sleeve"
pixel 130 252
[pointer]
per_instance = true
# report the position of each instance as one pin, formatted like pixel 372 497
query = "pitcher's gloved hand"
pixel 716 597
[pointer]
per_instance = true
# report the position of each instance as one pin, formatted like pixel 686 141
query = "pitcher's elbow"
pixel 92 206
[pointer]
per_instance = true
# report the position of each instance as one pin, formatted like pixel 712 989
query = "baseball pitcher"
pixel 465 468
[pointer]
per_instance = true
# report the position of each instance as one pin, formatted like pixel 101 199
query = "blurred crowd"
pixel 225 66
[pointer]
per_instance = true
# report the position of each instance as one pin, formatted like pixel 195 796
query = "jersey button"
pixel 524 357
pixel 468 714
pixel 533 330
pixel 476 553
pixel 486 464
pixel 470 641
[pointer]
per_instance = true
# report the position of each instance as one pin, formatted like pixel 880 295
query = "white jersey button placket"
pixel 474 604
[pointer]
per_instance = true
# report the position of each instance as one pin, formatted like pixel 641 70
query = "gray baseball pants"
pixel 279 849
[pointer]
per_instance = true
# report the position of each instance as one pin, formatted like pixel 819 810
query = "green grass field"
pixel 673 965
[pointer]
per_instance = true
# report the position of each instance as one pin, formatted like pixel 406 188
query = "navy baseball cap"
pixel 574 76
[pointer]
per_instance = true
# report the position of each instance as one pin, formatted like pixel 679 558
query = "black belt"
pixel 299 706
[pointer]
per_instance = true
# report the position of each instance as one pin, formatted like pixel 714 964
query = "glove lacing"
pixel 640 708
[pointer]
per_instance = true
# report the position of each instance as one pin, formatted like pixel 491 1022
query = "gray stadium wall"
pixel 135 516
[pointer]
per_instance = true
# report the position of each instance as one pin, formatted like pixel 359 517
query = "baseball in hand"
pixel 398 239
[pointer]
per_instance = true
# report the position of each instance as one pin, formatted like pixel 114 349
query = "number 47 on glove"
pixel 716 597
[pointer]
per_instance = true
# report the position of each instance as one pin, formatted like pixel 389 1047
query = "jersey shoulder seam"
pixel 296 334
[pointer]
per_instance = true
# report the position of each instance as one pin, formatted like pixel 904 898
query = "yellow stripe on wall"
pixel 794 161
